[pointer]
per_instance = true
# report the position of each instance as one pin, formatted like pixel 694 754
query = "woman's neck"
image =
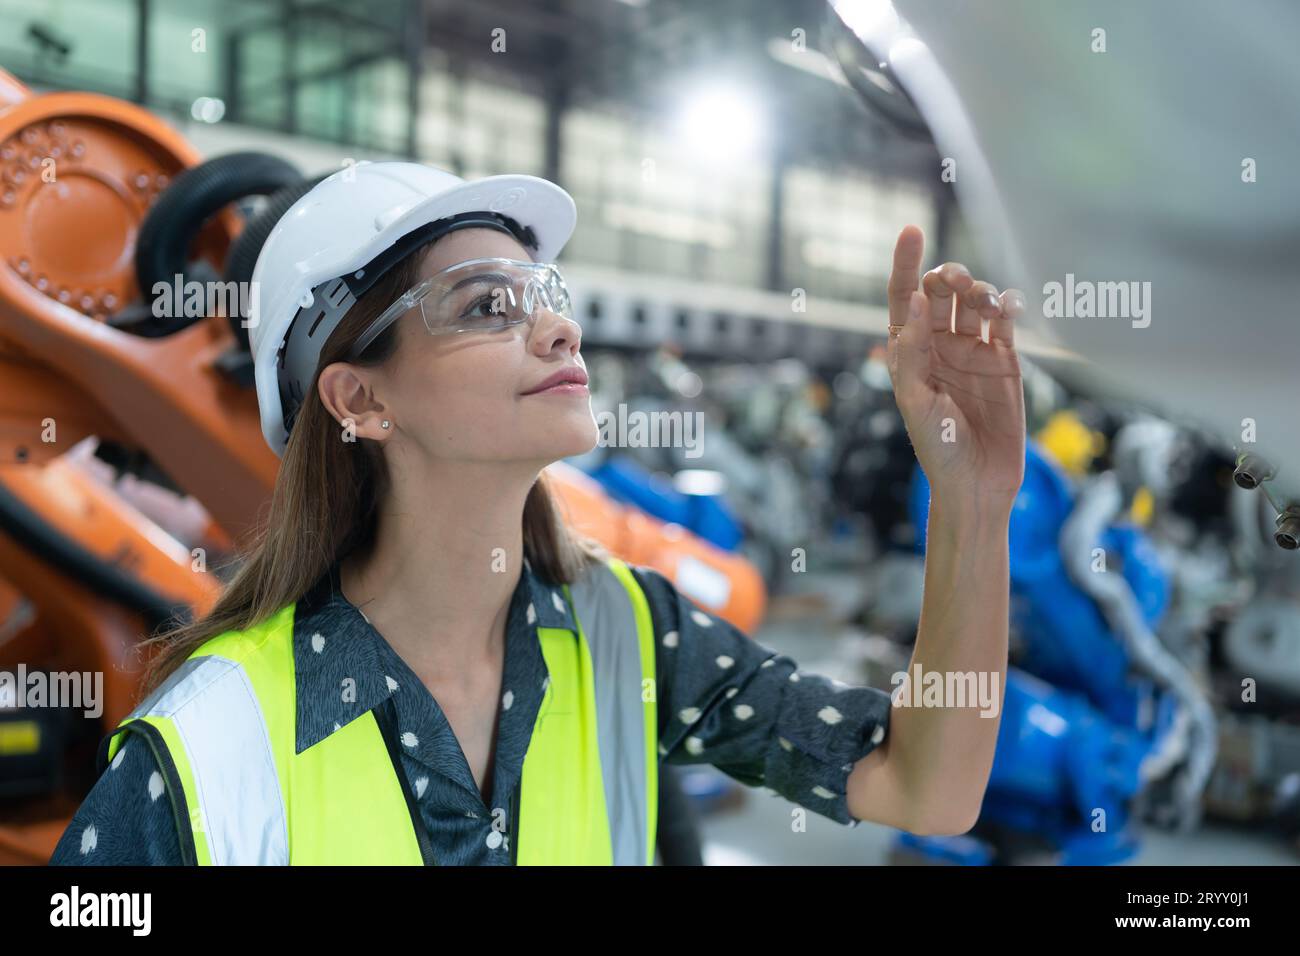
pixel 438 578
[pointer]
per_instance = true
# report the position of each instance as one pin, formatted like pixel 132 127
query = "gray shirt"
pixel 723 699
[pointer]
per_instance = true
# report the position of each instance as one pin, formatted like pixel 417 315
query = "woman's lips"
pixel 569 375
pixel 563 388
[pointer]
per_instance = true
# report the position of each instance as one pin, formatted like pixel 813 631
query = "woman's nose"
pixel 549 327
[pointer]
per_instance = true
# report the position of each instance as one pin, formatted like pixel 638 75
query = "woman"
pixel 419 663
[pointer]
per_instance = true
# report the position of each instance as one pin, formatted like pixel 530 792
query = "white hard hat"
pixel 313 264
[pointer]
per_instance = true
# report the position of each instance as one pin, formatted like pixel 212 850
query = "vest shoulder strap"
pixel 617 632
pixel 213 723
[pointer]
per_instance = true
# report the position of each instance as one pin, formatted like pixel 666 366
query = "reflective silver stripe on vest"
pixel 212 704
pixel 605 613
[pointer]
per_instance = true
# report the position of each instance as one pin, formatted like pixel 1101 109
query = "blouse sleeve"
pixel 727 700
pixel 126 819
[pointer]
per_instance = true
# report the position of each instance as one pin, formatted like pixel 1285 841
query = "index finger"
pixel 906 274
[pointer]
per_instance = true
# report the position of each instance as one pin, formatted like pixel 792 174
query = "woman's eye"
pixel 484 307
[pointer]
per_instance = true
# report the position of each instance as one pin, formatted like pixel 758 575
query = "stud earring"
pixel 385 423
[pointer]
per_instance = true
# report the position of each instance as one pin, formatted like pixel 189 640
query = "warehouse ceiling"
pixel 640 56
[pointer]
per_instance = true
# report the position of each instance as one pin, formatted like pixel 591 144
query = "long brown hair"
pixel 326 498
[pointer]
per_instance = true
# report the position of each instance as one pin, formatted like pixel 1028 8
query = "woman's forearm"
pixel 939 753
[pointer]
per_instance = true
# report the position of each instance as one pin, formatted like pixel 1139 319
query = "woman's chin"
pixel 568 422
pixel 565 439
pixel 585 437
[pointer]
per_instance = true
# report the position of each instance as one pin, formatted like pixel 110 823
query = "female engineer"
pixel 420 663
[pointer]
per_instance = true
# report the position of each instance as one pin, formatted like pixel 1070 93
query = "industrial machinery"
pixel 1155 254
pixel 1097 709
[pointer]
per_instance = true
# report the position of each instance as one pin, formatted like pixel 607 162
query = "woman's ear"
pixel 345 392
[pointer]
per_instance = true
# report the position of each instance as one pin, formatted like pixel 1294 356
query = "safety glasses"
pixel 478 295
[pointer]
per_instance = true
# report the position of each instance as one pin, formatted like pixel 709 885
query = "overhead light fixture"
pixel 721 124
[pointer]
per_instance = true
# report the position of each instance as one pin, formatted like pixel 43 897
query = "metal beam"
pixel 142 51
pixel 289 122
pixel 413 37
pixel 233 71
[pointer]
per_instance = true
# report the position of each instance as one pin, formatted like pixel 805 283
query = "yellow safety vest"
pixel 226 719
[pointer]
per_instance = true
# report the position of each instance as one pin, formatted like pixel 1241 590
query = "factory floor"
pixel 809 626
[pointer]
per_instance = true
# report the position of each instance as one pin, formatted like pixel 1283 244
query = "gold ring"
pixel 895 329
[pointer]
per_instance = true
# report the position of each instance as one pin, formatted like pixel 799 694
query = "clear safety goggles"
pixel 479 295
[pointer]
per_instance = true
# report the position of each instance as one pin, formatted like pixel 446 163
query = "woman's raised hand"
pixel 956 375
